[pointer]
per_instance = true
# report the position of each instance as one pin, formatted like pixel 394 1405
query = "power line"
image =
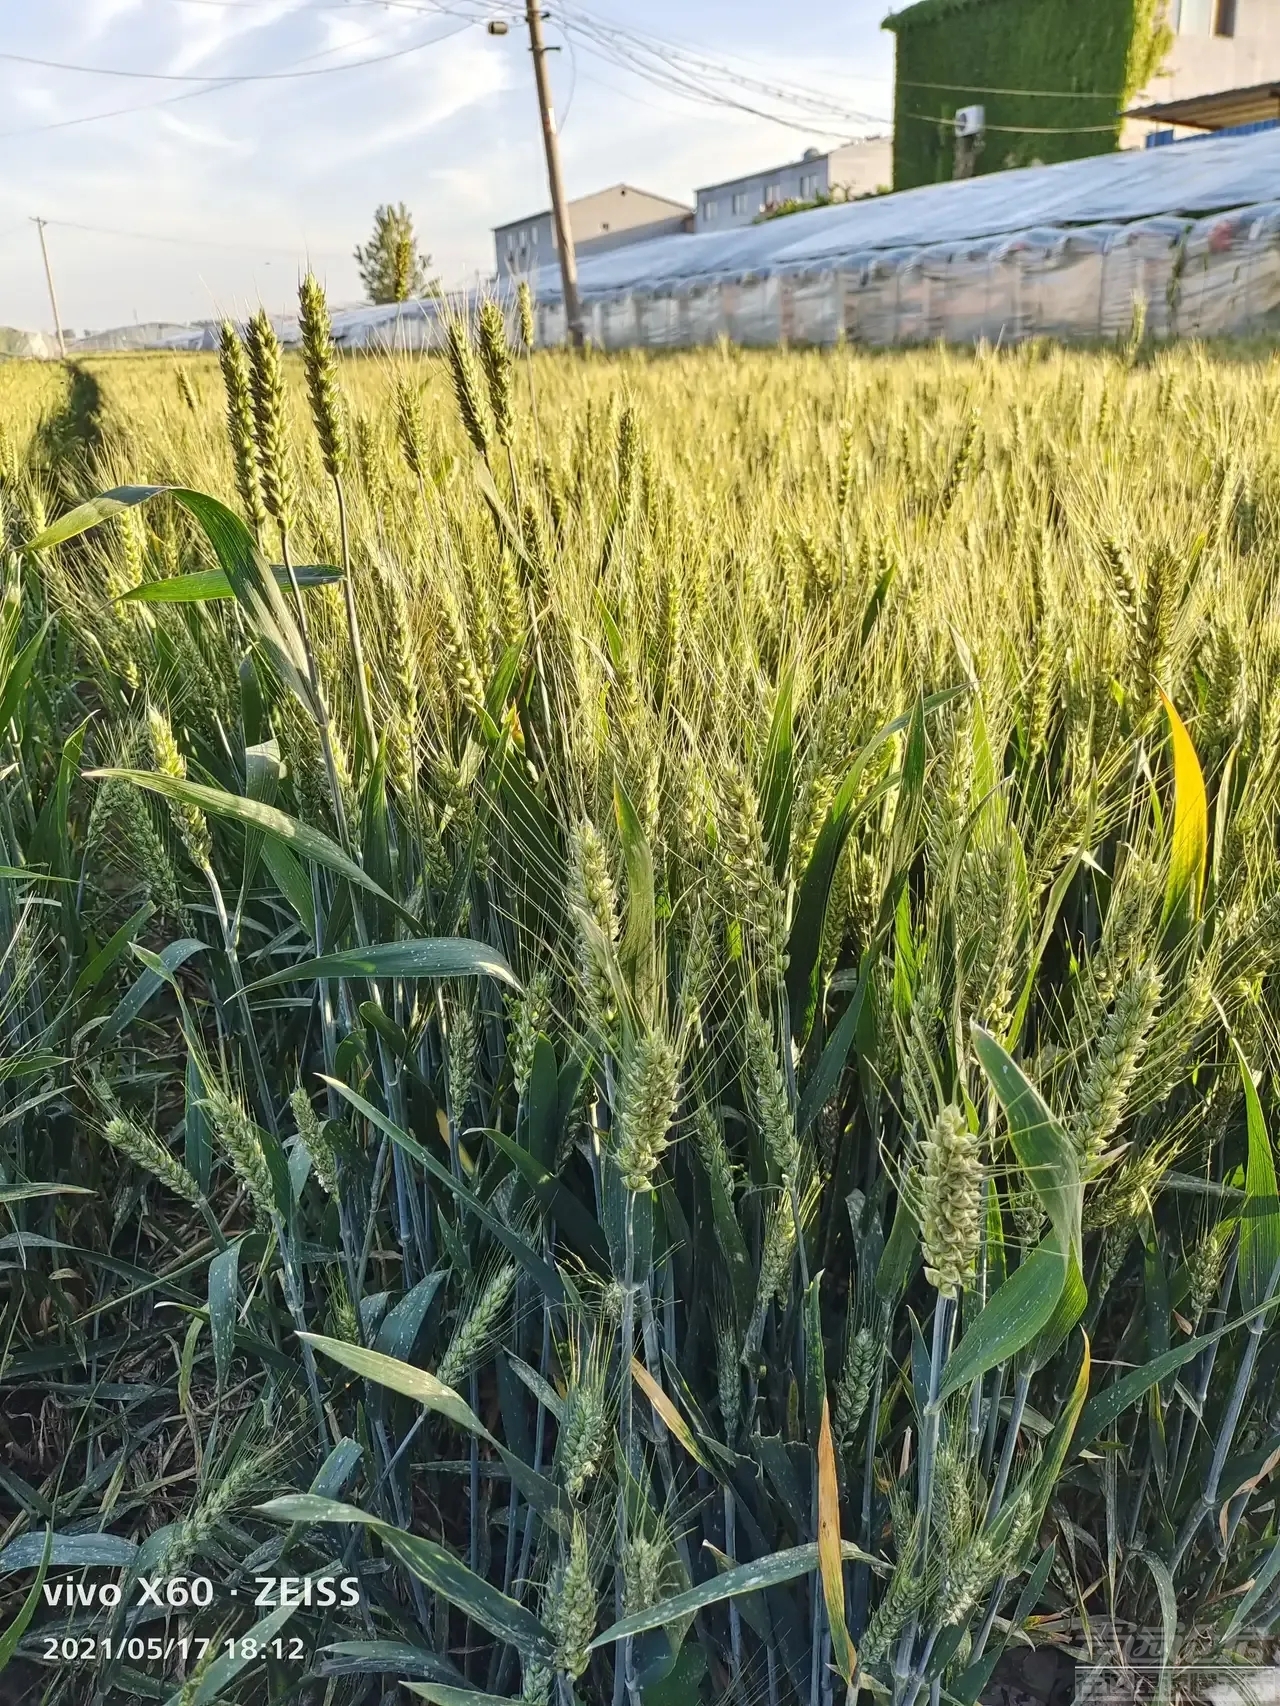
pixel 1022 129
pixel 114 112
pixel 694 77
pixel 214 77
pixel 690 66
pixel 706 95
pixel 1039 94
pixel 210 88
pixel 673 68
pixel 196 242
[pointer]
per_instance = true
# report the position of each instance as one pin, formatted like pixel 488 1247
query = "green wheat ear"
pixel 495 360
pixel 147 1151
pixel 240 424
pixel 467 383
pixel 571 1609
pixel 267 388
pixel 647 1093
pixel 524 307
pixel 321 367
pixel 951 1187
pixel 410 429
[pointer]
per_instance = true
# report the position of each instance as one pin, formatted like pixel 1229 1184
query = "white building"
pixel 856 168
pixel 606 220
pixel 1222 71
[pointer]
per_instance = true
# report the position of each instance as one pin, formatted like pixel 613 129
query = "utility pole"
pixel 559 209
pixel 53 300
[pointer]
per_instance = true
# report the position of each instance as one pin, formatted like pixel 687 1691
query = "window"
pixel 808 186
pixel 740 201
pixel 511 244
pixel 709 210
pixel 1225 22
pixel 1193 17
pixel 533 236
pixel 772 194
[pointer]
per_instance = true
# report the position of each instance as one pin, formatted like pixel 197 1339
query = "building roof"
pixel 806 159
pixel 1220 110
pixel 581 200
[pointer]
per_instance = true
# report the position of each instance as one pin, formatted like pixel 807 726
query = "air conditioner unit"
pixel 970 121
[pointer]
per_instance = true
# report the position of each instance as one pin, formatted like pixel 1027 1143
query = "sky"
pixel 183 198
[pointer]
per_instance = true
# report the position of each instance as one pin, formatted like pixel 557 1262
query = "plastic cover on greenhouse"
pixel 1191 232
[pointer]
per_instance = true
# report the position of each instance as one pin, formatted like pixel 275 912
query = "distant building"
pixel 1044 82
pixel 857 168
pixel 606 220
pixel 1221 73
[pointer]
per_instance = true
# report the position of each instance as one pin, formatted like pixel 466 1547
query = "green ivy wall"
pixel 953 53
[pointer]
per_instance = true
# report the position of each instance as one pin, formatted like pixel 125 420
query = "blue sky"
pixel 249 180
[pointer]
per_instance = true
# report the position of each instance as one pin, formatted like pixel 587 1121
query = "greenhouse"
pixel 1061 251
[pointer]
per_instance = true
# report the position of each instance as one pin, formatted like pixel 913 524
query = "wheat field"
pixel 639 1020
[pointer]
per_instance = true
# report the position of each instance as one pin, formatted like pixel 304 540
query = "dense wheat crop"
pixel 637 1011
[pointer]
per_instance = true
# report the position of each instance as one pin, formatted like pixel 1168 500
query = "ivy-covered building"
pixel 1052 77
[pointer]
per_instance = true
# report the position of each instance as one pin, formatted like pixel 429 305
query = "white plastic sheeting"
pixel 1059 251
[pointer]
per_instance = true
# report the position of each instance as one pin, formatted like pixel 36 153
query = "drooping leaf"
pixel 1262 1580
pixel 240 561
pixel 86 515
pixel 901 1252
pixel 402 1377
pixel 572 1218
pixel 206 585
pixel 1068 1310
pixel 908 806
pixel 768 1572
pixel 430 956
pixel 110 952
pixel 804 944
pixel 149 982
pixel 1055 1453
pixel 432 1394
pixel 278 826
pixel 1105 1406
pixel 385 1658
pixel 25 1193
pixel 503 1617
pixel 70 1551
pixel 1022 1307
pixel 671 1417
pixel 442 1694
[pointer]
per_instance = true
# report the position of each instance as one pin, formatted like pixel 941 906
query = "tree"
pixel 392 268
